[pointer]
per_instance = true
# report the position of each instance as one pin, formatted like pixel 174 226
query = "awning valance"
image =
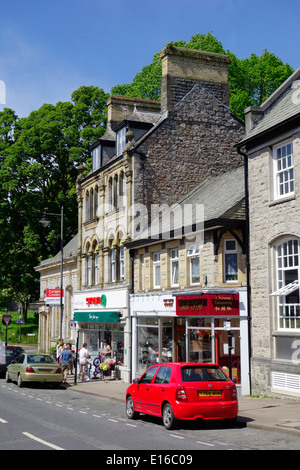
pixel 97 317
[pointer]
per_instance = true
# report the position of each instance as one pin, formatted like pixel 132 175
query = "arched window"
pixel 87 206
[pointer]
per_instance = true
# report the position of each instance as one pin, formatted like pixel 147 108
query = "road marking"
pixel 205 444
pixel 113 420
pixel 132 425
pixel 97 416
pixel 2 421
pixel 53 446
pixel 177 437
pixel 71 409
pixel 83 412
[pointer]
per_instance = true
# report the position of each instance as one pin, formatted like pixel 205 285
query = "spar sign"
pixel 53 297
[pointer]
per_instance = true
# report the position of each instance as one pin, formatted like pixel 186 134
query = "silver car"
pixel 34 367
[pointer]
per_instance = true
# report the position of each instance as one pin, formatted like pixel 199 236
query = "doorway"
pixel 179 344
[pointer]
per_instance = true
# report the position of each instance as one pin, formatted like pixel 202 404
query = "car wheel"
pixel 130 411
pixel 7 379
pixel 19 382
pixel 168 417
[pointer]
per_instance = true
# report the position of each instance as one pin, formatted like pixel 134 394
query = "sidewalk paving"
pixel 272 414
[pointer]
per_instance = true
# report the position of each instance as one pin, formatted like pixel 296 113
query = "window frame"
pixel 174 260
pixel 230 252
pixel 288 169
pixel 194 254
pixel 121 141
pixel 156 268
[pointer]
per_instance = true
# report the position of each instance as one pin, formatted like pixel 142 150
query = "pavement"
pixel 271 414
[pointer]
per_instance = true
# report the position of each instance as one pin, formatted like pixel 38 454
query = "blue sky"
pixel 49 48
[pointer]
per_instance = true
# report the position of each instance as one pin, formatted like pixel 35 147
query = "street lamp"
pixel 45 223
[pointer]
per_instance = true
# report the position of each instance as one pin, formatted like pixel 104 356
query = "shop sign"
pixel 99 300
pixel 208 304
pixel 53 297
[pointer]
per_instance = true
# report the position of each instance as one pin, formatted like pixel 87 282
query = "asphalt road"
pixel 41 418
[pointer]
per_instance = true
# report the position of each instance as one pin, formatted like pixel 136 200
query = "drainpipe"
pixel 247 259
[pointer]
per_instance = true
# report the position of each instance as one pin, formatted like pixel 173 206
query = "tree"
pixel 40 155
pixel 251 80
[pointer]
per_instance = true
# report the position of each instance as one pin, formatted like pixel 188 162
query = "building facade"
pixel 152 155
pixel 190 294
pixel 271 149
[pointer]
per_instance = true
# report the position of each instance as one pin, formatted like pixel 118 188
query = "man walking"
pixel 83 361
pixel 65 359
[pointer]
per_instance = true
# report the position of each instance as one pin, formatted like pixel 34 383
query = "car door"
pixel 143 395
pixel 14 367
pixel 161 389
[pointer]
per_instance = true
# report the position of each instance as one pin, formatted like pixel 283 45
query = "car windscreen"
pixel 40 359
pixel 202 373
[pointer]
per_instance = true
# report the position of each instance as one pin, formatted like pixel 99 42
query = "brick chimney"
pixel 182 68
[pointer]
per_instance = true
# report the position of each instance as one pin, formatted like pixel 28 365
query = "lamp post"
pixel 46 222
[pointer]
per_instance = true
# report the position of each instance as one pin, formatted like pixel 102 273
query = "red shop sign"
pixel 207 304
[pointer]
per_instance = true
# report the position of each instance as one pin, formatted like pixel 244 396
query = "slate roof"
pixel 282 106
pixel 222 198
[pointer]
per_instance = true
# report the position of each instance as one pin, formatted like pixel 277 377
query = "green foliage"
pixel 251 80
pixel 14 329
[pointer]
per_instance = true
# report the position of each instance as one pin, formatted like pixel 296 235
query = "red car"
pixel 183 390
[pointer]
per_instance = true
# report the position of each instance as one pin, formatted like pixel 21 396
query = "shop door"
pixel 179 343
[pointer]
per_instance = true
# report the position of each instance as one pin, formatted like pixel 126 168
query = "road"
pixel 39 417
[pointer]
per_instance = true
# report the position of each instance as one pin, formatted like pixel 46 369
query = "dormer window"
pixel 121 140
pixel 96 153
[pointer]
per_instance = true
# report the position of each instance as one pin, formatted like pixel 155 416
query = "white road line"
pixel 53 446
pixel 71 409
pixel 97 416
pixel 113 420
pixel 177 437
pixel 205 444
pixel 132 425
pixel 83 412
pixel 2 421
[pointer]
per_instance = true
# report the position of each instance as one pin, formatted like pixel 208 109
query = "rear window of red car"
pixel 202 374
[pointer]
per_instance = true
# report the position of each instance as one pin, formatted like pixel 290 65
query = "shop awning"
pixel 97 317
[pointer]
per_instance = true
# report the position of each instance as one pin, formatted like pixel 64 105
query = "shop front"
pixel 101 317
pixel 207 326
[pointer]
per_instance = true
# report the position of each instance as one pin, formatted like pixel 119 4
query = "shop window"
pixel 156 270
pixel 193 255
pixel 287 293
pixel 230 260
pixel 283 170
pixel 174 260
pixel 147 338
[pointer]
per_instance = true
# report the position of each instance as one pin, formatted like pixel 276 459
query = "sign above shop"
pixel 53 297
pixel 99 300
pixel 97 317
pixel 208 304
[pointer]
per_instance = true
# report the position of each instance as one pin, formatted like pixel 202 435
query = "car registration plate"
pixel 45 371
pixel 209 393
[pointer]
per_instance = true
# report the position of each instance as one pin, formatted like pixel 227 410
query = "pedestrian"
pixel 65 359
pixel 83 361
pixel 107 348
pixel 59 348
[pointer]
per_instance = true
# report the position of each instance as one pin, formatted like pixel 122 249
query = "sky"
pixel 49 48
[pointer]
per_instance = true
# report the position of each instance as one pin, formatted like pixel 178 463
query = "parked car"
pixel 29 367
pixel 183 391
pixel 7 355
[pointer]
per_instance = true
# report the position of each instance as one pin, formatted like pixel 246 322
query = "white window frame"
pixel 113 265
pixel 193 255
pixel 156 270
pixel 89 269
pixel 288 276
pixel 121 141
pixel 96 268
pixel 228 251
pixel 283 165
pixel 96 153
pixel 122 263
pixel 174 266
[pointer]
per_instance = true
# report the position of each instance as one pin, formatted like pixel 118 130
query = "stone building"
pixel 272 155
pixel 153 154
pixel 190 294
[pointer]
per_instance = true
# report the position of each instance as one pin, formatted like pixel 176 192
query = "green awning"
pixel 99 317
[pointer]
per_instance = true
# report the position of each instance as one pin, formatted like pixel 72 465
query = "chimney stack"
pixel 183 68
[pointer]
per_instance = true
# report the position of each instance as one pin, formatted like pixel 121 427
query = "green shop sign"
pixel 97 317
